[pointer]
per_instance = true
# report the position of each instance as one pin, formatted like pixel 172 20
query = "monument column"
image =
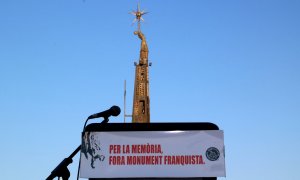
pixel 141 99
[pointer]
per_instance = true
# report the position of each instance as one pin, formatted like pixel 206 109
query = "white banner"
pixel 152 154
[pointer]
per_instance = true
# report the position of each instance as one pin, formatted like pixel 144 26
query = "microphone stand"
pixel 61 169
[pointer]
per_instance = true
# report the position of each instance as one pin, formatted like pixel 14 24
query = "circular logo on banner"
pixel 212 154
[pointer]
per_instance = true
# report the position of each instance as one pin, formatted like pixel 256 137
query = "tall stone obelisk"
pixel 141 99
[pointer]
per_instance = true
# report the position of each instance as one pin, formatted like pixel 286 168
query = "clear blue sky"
pixel 233 63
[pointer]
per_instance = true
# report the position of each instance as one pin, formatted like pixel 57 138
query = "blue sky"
pixel 233 63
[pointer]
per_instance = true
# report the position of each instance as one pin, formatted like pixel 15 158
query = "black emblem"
pixel 212 154
pixel 91 146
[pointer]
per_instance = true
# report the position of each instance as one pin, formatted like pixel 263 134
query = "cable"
pixel 78 170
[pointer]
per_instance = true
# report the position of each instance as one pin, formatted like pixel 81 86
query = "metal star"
pixel 138 16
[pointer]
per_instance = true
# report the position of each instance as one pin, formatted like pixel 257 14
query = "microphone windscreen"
pixel 115 110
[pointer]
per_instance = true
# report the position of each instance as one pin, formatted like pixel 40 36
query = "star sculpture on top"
pixel 138 16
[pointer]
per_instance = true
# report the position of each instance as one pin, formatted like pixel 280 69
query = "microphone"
pixel 113 111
